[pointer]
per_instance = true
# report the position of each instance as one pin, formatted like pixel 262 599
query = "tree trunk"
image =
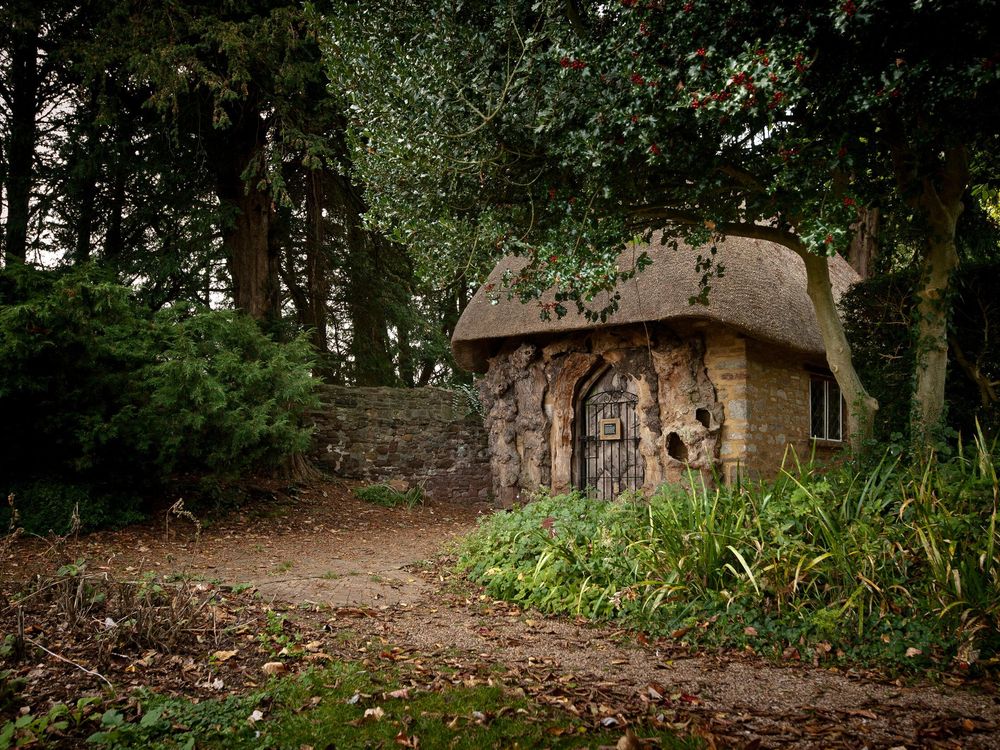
pixel 861 407
pixel 251 256
pixel 864 245
pixel 84 181
pixel 114 243
pixel 23 134
pixel 370 348
pixel 366 272
pixel 936 195
pixel 248 254
pixel 932 313
pixel 987 389
pixel 317 282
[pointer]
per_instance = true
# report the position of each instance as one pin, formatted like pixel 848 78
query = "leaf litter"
pixel 448 636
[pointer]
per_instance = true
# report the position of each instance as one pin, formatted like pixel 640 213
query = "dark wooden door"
pixel 609 458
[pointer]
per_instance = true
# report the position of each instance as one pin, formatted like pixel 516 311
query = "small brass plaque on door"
pixel 611 429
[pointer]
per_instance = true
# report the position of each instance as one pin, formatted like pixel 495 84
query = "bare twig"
pixel 72 663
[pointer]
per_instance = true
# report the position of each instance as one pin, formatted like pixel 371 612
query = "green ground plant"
pixel 889 564
pixel 389 497
pixel 343 705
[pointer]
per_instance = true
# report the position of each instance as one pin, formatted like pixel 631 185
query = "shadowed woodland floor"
pixel 357 581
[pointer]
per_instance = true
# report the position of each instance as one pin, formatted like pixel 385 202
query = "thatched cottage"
pixel 663 385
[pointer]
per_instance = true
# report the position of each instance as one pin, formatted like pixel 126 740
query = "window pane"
pixel 817 417
pixel 833 404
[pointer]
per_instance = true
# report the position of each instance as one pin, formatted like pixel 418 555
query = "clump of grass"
pixel 389 497
pixel 889 564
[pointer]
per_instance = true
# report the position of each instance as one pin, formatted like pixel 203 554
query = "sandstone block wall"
pixel 764 392
pixel 726 365
pixel 419 435
pixel 778 392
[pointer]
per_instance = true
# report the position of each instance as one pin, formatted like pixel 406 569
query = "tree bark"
pixel 987 388
pixel 317 281
pixel 23 134
pixel 252 265
pixel 85 171
pixel 936 195
pixel 367 270
pixel 121 135
pixel 861 407
pixel 114 244
pixel 864 245
pixel 251 256
pixel 370 348
pixel 933 312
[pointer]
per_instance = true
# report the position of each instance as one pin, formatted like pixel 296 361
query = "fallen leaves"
pixel 274 668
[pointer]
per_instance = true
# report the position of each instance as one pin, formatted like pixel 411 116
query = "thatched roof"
pixel 762 294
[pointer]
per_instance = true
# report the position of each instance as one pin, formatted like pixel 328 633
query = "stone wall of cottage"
pixel 726 365
pixel 764 393
pixel 532 389
pixel 778 388
pixel 421 436
pixel 778 398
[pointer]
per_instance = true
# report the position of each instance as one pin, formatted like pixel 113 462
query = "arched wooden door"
pixel 608 438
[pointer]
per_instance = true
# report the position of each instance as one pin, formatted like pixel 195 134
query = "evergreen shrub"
pixel 105 402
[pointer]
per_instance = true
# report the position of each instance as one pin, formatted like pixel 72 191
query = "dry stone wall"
pixel 422 436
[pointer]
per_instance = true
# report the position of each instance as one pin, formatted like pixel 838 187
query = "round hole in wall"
pixel 704 416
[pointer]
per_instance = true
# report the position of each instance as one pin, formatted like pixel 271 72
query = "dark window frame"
pixel 829 384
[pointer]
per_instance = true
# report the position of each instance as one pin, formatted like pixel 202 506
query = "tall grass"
pixel 883 562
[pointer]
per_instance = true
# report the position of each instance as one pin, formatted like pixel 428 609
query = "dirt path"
pixel 327 549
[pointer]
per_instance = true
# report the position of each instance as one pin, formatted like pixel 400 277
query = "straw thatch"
pixel 762 294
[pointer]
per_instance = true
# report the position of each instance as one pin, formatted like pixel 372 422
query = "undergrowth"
pixel 893 565
pixel 389 497
pixel 342 705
